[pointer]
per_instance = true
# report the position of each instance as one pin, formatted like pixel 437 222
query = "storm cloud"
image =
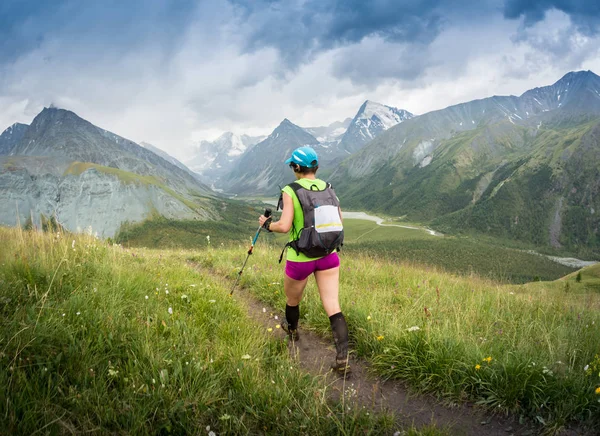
pixel 173 72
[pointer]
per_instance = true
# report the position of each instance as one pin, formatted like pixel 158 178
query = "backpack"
pixel 323 231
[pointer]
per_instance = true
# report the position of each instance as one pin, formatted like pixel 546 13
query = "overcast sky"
pixel 172 72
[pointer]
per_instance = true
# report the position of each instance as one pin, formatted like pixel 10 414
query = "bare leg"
pixel 328 282
pixel 294 290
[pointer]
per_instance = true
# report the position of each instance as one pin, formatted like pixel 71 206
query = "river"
pixel 567 261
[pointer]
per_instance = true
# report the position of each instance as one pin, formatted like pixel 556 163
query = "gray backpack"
pixel 323 232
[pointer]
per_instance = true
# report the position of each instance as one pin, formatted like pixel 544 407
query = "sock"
pixel 292 315
pixel 340 334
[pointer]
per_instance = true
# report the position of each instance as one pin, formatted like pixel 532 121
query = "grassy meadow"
pixel 101 337
pixel 532 350
pixel 469 256
pixel 98 338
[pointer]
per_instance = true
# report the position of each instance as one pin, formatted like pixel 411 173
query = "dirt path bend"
pixel 315 354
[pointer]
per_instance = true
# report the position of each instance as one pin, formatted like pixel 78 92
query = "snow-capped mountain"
pixel 213 159
pixel 330 133
pixel 371 120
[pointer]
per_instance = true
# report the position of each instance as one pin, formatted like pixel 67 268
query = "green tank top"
pixel 298 221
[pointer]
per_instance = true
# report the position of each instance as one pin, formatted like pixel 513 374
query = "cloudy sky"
pixel 172 72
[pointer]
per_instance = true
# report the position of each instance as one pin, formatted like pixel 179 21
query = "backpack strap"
pixel 296 187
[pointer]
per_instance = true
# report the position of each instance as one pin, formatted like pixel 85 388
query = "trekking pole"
pixel 267 214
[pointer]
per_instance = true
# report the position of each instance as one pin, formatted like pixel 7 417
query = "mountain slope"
pixel 66 167
pixel 215 159
pixel 371 120
pixel 11 137
pixel 519 167
pixel 262 169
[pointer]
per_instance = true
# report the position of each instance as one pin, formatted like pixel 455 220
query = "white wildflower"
pixel 184 297
pixel 212 301
pixel 586 367
pixel 146 297
pixel 413 328
pixel 246 356
pixel 170 311
pixel 78 313
pixel 73 244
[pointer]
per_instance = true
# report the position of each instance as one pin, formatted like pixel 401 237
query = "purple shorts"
pixel 301 270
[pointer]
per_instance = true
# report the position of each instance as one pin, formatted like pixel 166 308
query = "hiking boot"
pixel 341 366
pixel 292 333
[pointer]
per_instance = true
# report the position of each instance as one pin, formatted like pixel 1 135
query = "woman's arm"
pixel 287 216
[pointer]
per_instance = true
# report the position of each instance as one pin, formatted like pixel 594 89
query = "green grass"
pixel 461 255
pixel 97 338
pixel 436 331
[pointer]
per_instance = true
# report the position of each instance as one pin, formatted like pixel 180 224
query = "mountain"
pixel 330 133
pixel 166 156
pixel 261 170
pixel 11 137
pixel 521 167
pixel 64 166
pixel 214 159
pixel 371 120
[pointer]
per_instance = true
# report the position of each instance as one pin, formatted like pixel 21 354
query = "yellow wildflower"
pixel 369 318
pixel 380 338
pixel 598 390
pixel 487 359
pixel 477 367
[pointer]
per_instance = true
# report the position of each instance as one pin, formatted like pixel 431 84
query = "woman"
pixel 299 266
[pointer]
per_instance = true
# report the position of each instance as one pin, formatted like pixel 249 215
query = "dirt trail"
pixel 315 354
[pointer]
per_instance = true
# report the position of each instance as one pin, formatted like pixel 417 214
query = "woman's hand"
pixel 262 219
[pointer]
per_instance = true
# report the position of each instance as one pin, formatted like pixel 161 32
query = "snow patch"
pixel 426 161
pixel 421 151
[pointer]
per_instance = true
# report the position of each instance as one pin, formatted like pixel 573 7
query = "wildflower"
pixel 208 428
pixel 380 338
pixel 184 297
pixel 369 318
pixel 488 359
pixel 170 311
pixel 478 367
pixel 246 356
pixel 78 313
pixel 277 326
pixel 192 286
pixel 167 291
pixel 586 367
pixel 413 328
pixel 264 310
pixel 276 317
pixel 597 390
pixel 212 433
pixel 146 297
pixel 212 301
pixel 269 329
pixel 73 244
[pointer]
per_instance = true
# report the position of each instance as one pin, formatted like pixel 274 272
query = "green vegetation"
pixel 527 349
pixel 464 255
pixel 239 223
pixel 97 338
pixel 535 176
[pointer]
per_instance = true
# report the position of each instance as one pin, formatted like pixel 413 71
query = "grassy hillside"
pixel 528 349
pixel 536 182
pixel 460 255
pixel 97 338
